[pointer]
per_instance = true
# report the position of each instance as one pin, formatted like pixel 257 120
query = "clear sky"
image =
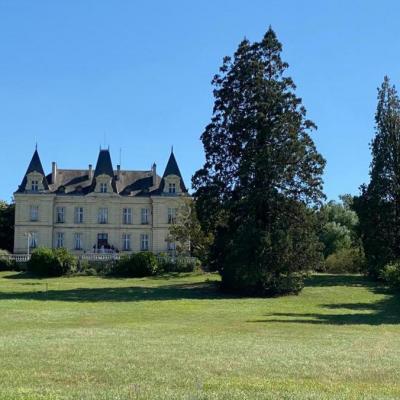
pixel 138 74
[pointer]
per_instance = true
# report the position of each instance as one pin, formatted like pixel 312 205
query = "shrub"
pixel 5 263
pixel 68 262
pixel 51 262
pixel 391 274
pixel 93 268
pixel 178 264
pixel 345 260
pixel 136 265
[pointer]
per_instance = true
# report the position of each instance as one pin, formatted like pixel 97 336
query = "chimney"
pixel 118 172
pixel 154 171
pixel 90 174
pixel 53 173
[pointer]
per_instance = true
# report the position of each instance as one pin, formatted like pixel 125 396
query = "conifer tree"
pixel 378 206
pixel 261 176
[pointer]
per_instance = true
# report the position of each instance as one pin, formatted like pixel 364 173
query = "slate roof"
pixel 34 165
pixel 71 181
pixel 104 164
pixel 124 182
pixel 104 167
pixel 172 169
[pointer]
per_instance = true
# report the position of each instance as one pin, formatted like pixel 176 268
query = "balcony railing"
pixel 101 257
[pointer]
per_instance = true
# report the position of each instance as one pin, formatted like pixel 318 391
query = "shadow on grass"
pixel 384 311
pixel 352 280
pixel 22 275
pixel 204 290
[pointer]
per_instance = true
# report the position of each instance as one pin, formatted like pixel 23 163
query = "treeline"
pixel 259 194
pixel 378 205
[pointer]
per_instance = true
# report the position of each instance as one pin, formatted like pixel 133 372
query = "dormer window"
pixel 103 184
pixel 35 182
pixel 172 187
pixel 35 186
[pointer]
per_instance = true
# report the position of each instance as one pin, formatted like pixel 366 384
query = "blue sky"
pixel 138 74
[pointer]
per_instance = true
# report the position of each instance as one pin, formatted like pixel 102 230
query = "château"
pixel 99 209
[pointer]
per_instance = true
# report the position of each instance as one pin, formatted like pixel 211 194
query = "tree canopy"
pixel 262 174
pixel 378 205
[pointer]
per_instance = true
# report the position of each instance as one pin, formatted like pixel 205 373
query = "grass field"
pixel 177 337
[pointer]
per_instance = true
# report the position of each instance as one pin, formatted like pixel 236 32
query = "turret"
pixel 172 181
pixel 34 180
pixel 103 177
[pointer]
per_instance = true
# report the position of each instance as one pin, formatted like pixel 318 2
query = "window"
pixel 172 188
pixel 34 213
pixel 35 186
pixel 144 242
pixel 144 216
pixel 103 187
pixel 102 240
pixel 78 241
pixel 127 216
pixel 172 215
pixel 60 240
pixel 126 242
pixel 33 240
pixel 79 215
pixel 60 215
pixel 171 246
pixel 103 215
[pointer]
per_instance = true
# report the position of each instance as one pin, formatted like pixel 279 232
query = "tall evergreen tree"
pixel 378 206
pixel 261 176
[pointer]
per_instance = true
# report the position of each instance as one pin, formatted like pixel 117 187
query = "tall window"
pixel 144 242
pixel 127 216
pixel 35 186
pixel 60 215
pixel 60 240
pixel 78 241
pixel 34 213
pixel 103 187
pixel 144 216
pixel 171 246
pixel 103 216
pixel 79 215
pixel 126 242
pixel 33 240
pixel 172 215
pixel 102 240
pixel 172 187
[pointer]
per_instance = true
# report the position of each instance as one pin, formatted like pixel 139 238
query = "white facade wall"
pixel 46 227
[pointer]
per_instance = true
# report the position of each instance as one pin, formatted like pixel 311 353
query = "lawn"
pixel 177 337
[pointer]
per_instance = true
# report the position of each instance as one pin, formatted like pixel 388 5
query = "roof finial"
pixel 172 149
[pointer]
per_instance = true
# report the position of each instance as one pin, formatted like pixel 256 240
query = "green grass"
pixel 177 337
